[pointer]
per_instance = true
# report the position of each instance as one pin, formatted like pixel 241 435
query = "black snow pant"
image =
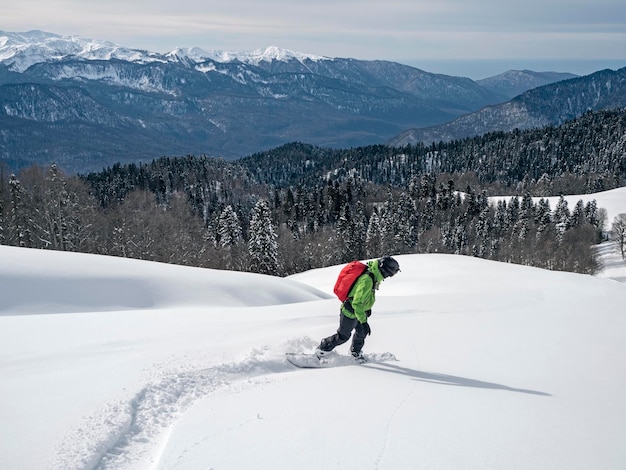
pixel 346 325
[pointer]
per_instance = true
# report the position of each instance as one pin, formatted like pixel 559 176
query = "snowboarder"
pixel 356 310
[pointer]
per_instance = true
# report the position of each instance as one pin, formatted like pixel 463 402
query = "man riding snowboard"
pixel 358 307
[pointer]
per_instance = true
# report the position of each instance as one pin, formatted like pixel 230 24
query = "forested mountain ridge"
pixel 590 150
pixel 585 155
pixel 515 82
pixel 547 105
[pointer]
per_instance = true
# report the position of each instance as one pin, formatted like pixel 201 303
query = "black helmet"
pixel 388 266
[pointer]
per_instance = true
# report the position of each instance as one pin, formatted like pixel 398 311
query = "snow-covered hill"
pixel 118 364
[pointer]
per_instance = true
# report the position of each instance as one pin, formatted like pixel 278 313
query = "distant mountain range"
pixel 547 105
pixel 87 104
pixel 516 82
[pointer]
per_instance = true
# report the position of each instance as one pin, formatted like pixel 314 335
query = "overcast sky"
pixel 424 33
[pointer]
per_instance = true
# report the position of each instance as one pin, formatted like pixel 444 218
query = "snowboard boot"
pixel 358 356
pixel 320 353
pixel 324 348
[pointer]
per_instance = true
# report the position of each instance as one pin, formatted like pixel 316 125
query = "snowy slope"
pixel 164 367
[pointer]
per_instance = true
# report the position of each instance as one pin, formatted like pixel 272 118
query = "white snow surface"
pixel 109 363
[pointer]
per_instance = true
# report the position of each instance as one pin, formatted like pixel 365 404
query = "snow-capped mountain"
pixel 272 53
pixel 19 51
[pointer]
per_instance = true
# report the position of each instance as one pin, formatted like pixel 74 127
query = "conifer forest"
pixel 299 206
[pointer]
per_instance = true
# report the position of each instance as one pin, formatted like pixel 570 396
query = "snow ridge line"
pixel 125 434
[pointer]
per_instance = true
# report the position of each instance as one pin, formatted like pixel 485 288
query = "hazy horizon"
pixel 477 69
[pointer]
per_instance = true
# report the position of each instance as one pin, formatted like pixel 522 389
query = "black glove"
pixel 367 329
pixel 368 312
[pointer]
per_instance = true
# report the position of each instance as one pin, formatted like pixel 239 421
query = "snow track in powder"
pixel 126 434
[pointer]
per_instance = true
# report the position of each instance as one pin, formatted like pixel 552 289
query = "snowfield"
pixel 110 363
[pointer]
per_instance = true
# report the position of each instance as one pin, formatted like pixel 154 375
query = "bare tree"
pixel 619 232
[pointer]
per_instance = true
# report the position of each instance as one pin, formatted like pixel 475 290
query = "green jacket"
pixel 363 294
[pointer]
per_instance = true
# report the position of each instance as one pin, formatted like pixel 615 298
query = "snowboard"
pixel 311 361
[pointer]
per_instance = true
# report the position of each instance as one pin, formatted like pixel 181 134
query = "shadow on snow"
pixel 445 379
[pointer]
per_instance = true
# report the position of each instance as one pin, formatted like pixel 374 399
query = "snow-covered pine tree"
pixel 373 236
pixel 228 228
pixel 58 220
pixel 483 233
pixel 578 214
pixel 19 219
pixel 262 244
pixel 407 222
pixel 543 215
pixel 561 218
pixel 513 211
pixel 352 232
pixel 595 217
pixel 229 236
pixel 388 225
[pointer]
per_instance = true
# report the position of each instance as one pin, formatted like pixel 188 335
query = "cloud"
pixel 365 29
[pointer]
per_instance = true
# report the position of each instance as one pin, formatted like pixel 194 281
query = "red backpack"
pixel 347 278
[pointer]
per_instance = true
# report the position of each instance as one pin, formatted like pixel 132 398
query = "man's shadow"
pixel 445 379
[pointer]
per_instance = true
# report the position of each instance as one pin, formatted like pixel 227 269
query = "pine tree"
pixel 483 229
pixel 593 216
pixel 373 237
pixel 578 215
pixel 61 224
pixel 344 229
pixel 513 212
pixel 459 236
pixel 228 228
pixel 561 218
pixel 543 217
pixel 19 219
pixel 359 231
pixel 229 237
pixel 262 244
pixel 406 231
pixel 391 241
pixel 427 215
